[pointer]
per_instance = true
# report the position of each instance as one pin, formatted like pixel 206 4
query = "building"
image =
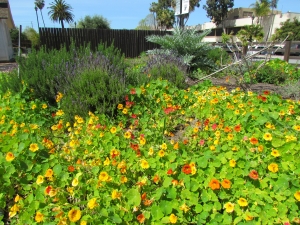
pixel 239 17
pixel 6 23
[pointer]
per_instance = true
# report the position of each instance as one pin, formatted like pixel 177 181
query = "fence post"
pixel 287 50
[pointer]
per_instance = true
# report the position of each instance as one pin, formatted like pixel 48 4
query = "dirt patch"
pixel 6 67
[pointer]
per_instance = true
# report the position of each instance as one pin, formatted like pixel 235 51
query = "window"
pixel 247 14
pixel 4 5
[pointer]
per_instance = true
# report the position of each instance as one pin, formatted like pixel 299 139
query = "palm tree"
pixel 60 11
pixel 261 8
pixel 40 5
pixel 37 18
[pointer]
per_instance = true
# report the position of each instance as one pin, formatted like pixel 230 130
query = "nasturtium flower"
pixel 260 148
pixel 120 106
pixel 144 164
pixel 173 218
pixel 273 167
pixel 92 203
pixel 164 146
pixel 142 141
pixel 232 163
pixel 214 184
pixel 33 147
pixel 44 106
pixel 253 140
pixel 176 146
pixel 226 184
pixel 17 198
pixel 161 153
pixel 49 173
pixel 229 207
pixel 156 179
pixel 59 96
pixel 103 176
pixel 83 222
pixel 75 182
pixel 127 135
pixel 141 218
pixel 229 137
pixel 53 192
pixel 296 127
pixel 187 169
pixel 106 162
pixel 125 111
pixel 115 194
pixel 275 153
pixel 59 112
pixel 253 174
pixel 212 148
pixel 184 208
pixel 297 195
pixel 237 128
pixel 248 217
pixel 234 148
pixel 13 210
pixel 113 130
pixel 9 157
pixel 242 202
pixel 39 217
pixel 74 215
pixel 40 179
pixel 123 179
pixel 267 136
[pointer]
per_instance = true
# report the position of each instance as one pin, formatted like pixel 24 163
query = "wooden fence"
pixel 131 42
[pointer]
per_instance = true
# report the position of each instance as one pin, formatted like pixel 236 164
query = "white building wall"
pixel 6 50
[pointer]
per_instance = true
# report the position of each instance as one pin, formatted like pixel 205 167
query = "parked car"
pixel 295 47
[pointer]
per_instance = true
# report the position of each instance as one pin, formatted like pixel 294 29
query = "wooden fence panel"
pixel 131 42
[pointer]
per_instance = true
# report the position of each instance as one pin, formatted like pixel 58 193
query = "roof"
pixel 5 13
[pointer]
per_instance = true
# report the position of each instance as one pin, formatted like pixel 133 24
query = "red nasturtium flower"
pixel 71 168
pixel 132 91
pixel 187 169
pixel 156 179
pixel 141 218
pixel 214 184
pixel 253 174
pixel 226 184
pixel 266 92
pixel 170 171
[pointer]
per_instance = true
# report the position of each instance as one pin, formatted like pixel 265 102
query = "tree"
pixel 250 33
pixel 14 35
pixel 164 11
pixel 261 8
pixel 217 10
pixel 37 18
pixel 147 23
pixel 60 11
pixel 94 22
pixel 32 36
pixel 40 5
pixel 291 28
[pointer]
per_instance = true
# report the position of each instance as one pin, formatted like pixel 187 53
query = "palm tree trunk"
pixel 37 18
pixel 62 24
pixel 42 18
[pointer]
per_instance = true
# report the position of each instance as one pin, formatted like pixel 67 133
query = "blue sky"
pixel 122 14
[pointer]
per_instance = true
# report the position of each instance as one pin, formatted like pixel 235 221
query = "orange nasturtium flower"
pixel 229 207
pixel 9 156
pixel 248 217
pixel 187 169
pixel 33 147
pixel 173 218
pixel 74 215
pixel 242 202
pixel 253 141
pixel 226 184
pixel 39 217
pixel 49 173
pixel 297 195
pixel 214 184
pixel 141 218
pixel 273 167
pixel 253 174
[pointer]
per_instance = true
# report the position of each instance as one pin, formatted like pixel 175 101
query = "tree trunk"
pixel 42 18
pixel 37 18
pixel 62 24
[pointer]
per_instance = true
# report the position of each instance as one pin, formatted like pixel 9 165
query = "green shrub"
pixel 10 82
pixel 277 72
pixel 168 67
pixel 219 56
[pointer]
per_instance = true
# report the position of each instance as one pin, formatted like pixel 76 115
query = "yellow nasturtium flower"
pixel 9 156
pixel 229 207
pixel 40 179
pixel 39 217
pixel 74 215
pixel 273 167
pixel 92 203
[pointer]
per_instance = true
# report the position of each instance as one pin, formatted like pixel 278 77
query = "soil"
pixel 229 83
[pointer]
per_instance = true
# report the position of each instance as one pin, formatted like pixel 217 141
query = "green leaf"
pixel 277 142
pixel 156 212
pixel 166 207
pixel 57 169
pixel 116 218
pixel 134 197
pixel 172 192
